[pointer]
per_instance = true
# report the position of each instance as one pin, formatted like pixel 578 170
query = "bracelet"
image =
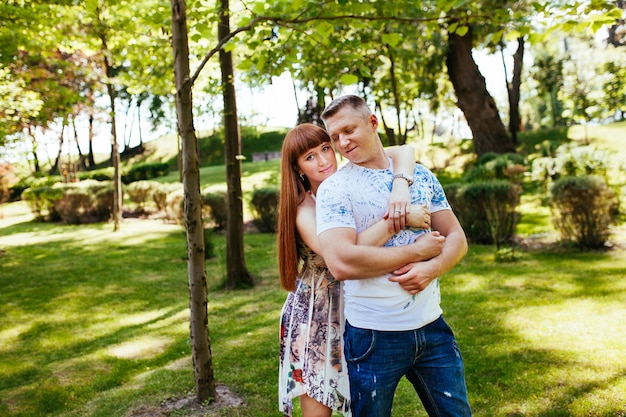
pixel 404 177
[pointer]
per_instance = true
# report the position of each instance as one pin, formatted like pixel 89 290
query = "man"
pixel 394 323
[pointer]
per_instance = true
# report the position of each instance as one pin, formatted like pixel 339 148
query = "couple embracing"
pixel 361 250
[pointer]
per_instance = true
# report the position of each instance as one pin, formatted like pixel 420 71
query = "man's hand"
pixel 428 245
pixel 415 277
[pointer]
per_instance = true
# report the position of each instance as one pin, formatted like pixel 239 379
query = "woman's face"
pixel 318 163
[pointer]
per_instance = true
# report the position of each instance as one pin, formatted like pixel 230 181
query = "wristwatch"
pixel 404 177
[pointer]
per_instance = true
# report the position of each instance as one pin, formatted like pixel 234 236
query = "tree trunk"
pixel 35 145
pixel 198 298
pixel 473 98
pixel 56 169
pixel 115 153
pixel 81 156
pixel 514 90
pixel 396 99
pixel 237 275
pixel 92 161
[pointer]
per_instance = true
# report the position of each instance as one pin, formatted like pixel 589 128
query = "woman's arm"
pixel 399 204
pixel 379 233
pixel 375 235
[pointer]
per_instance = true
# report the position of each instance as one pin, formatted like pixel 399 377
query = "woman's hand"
pixel 398 206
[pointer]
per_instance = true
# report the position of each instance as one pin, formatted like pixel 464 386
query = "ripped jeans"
pixel 429 357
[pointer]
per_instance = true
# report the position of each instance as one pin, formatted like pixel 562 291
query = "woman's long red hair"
pixel 292 188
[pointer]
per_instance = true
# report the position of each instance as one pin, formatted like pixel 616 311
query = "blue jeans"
pixel 429 357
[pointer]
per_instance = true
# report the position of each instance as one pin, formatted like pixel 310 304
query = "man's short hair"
pixel 355 102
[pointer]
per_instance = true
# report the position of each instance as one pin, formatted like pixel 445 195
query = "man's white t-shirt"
pixel 357 197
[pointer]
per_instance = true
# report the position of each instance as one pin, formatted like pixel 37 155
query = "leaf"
pixel 324 29
pixel 496 37
pixel 460 3
pixel 392 39
pixel 245 65
pixel 512 35
pixel 462 31
pixel 349 79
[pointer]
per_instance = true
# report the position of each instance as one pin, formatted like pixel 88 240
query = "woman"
pixel 311 350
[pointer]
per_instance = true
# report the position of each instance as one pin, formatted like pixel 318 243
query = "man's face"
pixel 354 134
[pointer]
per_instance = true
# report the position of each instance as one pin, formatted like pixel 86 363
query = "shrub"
pixel 145 172
pixel 581 210
pixel 139 192
pixel 491 166
pixel 160 194
pixel 176 206
pixel 103 205
pixel 41 201
pixel 214 207
pixel 486 209
pixel 104 174
pixel 264 203
pixel 74 206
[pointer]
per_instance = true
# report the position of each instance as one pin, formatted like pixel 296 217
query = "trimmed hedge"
pixel 264 203
pixel 582 210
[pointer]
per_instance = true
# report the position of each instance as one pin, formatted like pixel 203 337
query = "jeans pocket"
pixel 359 343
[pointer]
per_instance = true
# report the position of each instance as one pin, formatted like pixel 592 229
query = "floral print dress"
pixel 311 340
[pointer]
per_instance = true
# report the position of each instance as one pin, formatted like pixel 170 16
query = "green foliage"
pixel 41 201
pixel 264 203
pixel 581 209
pixel 212 147
pixel 486 209
pixel 74 203
pixel 103 174
pixel 209 246
pixel 145 172
pixel 570 160
pixel 491 166
pixel 214 205
pixel 161 194
pixel 140 192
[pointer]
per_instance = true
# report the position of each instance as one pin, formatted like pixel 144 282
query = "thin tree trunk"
pixel 92 161
pixel 514 90
pixel 198 299
pixel 115 154
pixel 473 98
pixel 55 168
pixel 81 156
pixel 237 275
pixel 396 99
pixel 35 145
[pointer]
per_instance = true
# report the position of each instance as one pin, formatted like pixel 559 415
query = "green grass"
pixel 95 323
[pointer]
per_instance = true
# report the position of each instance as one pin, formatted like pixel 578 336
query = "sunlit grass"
pixel 95 323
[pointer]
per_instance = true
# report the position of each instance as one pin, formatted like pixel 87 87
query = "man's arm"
pixel 346 260
pixel 415 277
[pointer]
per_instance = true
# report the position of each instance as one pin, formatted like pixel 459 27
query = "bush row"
pixel 573 183
pixel 92 201
pixel 75 203
pixel 582 204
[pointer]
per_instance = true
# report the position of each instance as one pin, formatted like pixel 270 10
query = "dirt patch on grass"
pixel 189 406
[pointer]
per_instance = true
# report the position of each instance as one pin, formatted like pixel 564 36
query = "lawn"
pixel 95 323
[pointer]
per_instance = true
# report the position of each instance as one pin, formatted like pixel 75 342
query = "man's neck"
pixel 378 161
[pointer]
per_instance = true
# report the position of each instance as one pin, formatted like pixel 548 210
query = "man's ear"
pixel 374 121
